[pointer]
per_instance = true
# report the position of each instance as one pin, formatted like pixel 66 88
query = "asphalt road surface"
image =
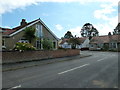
pixel 98 71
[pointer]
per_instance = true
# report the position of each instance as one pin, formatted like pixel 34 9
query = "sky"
pixel 62 15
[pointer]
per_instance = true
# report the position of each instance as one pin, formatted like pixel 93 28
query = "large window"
pixel 38 30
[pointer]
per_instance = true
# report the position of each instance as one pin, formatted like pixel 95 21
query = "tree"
pixel 89 31
pixel 74 42
pixel 117 30
pixel 47 44
pixel 109 33
pixel 68 35
pixel 113 33
pixel 29 34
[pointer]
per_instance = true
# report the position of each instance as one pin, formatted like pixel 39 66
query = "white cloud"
pixel 106 9
pixel 0 20
pixel 103 28
pixel 59 27
pixel 118 17
pixel 75 31
pixel 10 5
pixel 109 20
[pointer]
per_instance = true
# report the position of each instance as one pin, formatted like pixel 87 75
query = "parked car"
pixel 23 41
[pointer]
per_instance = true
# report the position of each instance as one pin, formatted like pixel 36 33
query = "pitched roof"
pixel 82 39
pixel 105 39
pixel 19 27
pixel 8 32
pixel 64 40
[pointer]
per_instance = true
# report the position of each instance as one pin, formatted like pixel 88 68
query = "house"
pixel 65 43
pixel 11 36
pixel 107 42
pixel 84 43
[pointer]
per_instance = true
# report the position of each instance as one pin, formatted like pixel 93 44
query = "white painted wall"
pixel 66 45
pixel 86 43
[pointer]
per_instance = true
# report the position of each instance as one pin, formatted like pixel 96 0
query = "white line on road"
pixel 100 59
pixel 14 87
pixel 73 69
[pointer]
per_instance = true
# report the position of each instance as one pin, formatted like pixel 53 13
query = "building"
pixel 107 42
pixel 11 36
pixel 65 43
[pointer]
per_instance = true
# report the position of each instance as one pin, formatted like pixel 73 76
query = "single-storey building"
pixel 11 36
pixel 107 42
pixel 65 43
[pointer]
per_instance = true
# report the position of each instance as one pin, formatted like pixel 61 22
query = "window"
pixel 114 45
pixel 38 30
pixel 54 45
pixel 3 42
pixel 38 44
pixel 118 45
pixel 91 45
pixel 110 45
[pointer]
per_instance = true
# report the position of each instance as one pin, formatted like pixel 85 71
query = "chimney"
pixel 23 22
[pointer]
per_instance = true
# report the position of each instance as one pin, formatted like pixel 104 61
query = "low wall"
pixel 16 56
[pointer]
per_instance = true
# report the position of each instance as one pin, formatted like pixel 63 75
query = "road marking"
pixel 14 87
pixel 73 69
pixel 100 59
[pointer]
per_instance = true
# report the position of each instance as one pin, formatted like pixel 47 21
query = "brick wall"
pixel 16 56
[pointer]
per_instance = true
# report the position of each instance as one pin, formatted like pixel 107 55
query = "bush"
pixel 105 47
pixel 24 47
pixel 47 44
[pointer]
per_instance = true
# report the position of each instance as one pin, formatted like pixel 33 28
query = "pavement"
pixel 97 71
pixel 21 65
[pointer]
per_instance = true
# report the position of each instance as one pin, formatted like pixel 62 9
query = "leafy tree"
pixel 109 33
pixel 29 34
pixel 113 33
pixel 74 42
pixel 47 44
pixel 117 30
pixel 89 31
pixel 68 35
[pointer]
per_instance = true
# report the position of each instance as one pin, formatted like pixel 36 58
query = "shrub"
pixel 24 47
pixel 47 44
pixel 105 47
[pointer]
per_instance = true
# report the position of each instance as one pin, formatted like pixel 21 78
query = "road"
pixel 98 71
